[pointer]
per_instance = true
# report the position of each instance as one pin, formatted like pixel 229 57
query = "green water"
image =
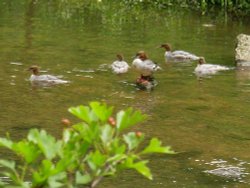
pixel 206 121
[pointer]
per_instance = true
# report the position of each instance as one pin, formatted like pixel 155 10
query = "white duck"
pixel 178 55
pixel 144 65
pixel 44 80
pixel 119 66
pixel 204 69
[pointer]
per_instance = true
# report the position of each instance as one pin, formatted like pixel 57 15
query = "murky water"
pixel 206 120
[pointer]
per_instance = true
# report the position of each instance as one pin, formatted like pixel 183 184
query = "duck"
pixel 203 68
pixel 146 68
pixel 44 80
pixel 120 66
pixel 178 55
pixel 144 65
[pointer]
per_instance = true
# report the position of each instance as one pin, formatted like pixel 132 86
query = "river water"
pixel 206 120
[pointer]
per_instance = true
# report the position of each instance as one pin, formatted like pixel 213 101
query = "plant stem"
pixel 24 171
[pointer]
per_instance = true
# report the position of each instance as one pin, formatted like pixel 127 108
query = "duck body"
pixel 44 80
pixel 203 69
pixel 119 66
pixel 146 68
pixel 178 55
pixel 47 79
pixel 144 65
pixel 206 69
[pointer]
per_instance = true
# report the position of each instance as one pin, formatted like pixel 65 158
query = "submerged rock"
pixel 242 51
pixel 227 172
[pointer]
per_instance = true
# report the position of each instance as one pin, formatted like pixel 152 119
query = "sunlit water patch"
pixel 233 170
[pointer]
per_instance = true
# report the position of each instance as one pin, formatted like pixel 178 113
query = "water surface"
pixel 206 120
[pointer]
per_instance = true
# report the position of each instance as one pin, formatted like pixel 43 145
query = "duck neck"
pixel 167 48
pixel 119 58
pixel 143 57
pixel 35 72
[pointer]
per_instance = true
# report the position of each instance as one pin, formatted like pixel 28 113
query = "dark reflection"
pixel 243 74
pixel 29 24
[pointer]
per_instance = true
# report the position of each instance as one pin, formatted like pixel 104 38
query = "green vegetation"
pixel 227 4
pixel 88 151
pixel 238 7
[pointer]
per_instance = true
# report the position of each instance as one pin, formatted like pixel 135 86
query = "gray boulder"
pixel 242 51
pixel 228 172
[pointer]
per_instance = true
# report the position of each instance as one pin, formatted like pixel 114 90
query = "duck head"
pixel 34 69
pixel 166 46
pixel 201 61
pixel 119 57
pixel 141 55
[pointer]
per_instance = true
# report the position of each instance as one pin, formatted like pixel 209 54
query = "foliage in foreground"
pixel 88 151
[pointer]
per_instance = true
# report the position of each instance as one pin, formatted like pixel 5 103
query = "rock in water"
pixel 227 172
pixel 242 51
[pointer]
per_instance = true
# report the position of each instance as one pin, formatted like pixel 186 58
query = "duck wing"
pixel 50 79
pixel 150 65
pixel 201 70
pixel 179 54
pixel 119 67
pixel 215 67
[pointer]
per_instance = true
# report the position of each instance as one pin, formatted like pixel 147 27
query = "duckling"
pixel 120 66
pixel 203 69
pixel 45 80
pixel 178 56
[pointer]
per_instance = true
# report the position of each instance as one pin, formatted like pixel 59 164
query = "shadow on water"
pixel 29 16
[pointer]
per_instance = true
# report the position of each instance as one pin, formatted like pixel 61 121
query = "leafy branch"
pixel 88 151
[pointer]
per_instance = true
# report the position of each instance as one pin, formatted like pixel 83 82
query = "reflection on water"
pixel 209 118
pixel 243 74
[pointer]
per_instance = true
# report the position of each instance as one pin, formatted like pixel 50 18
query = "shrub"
pixel 88 151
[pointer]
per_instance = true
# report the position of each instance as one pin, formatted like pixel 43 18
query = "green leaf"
pixel 27 150
pixel 6 143
pixel 66 135
pixel 132 140
pixel 143 169
pixel 65 163
pixel 88 132
pixel 47 168
pixel 83 179
pixel 107 133
pixel 2 184
pixel 82 112
pixel 128 118
pixel 45 172
pixel 96 160
pixel 8 164
pixel 11 170
pixel 116 158
pixel 38 179
pixel 47 143
pixel 101 110
pixel 116 147
pixel 138 166
pixel 155 147
pixel 56 180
